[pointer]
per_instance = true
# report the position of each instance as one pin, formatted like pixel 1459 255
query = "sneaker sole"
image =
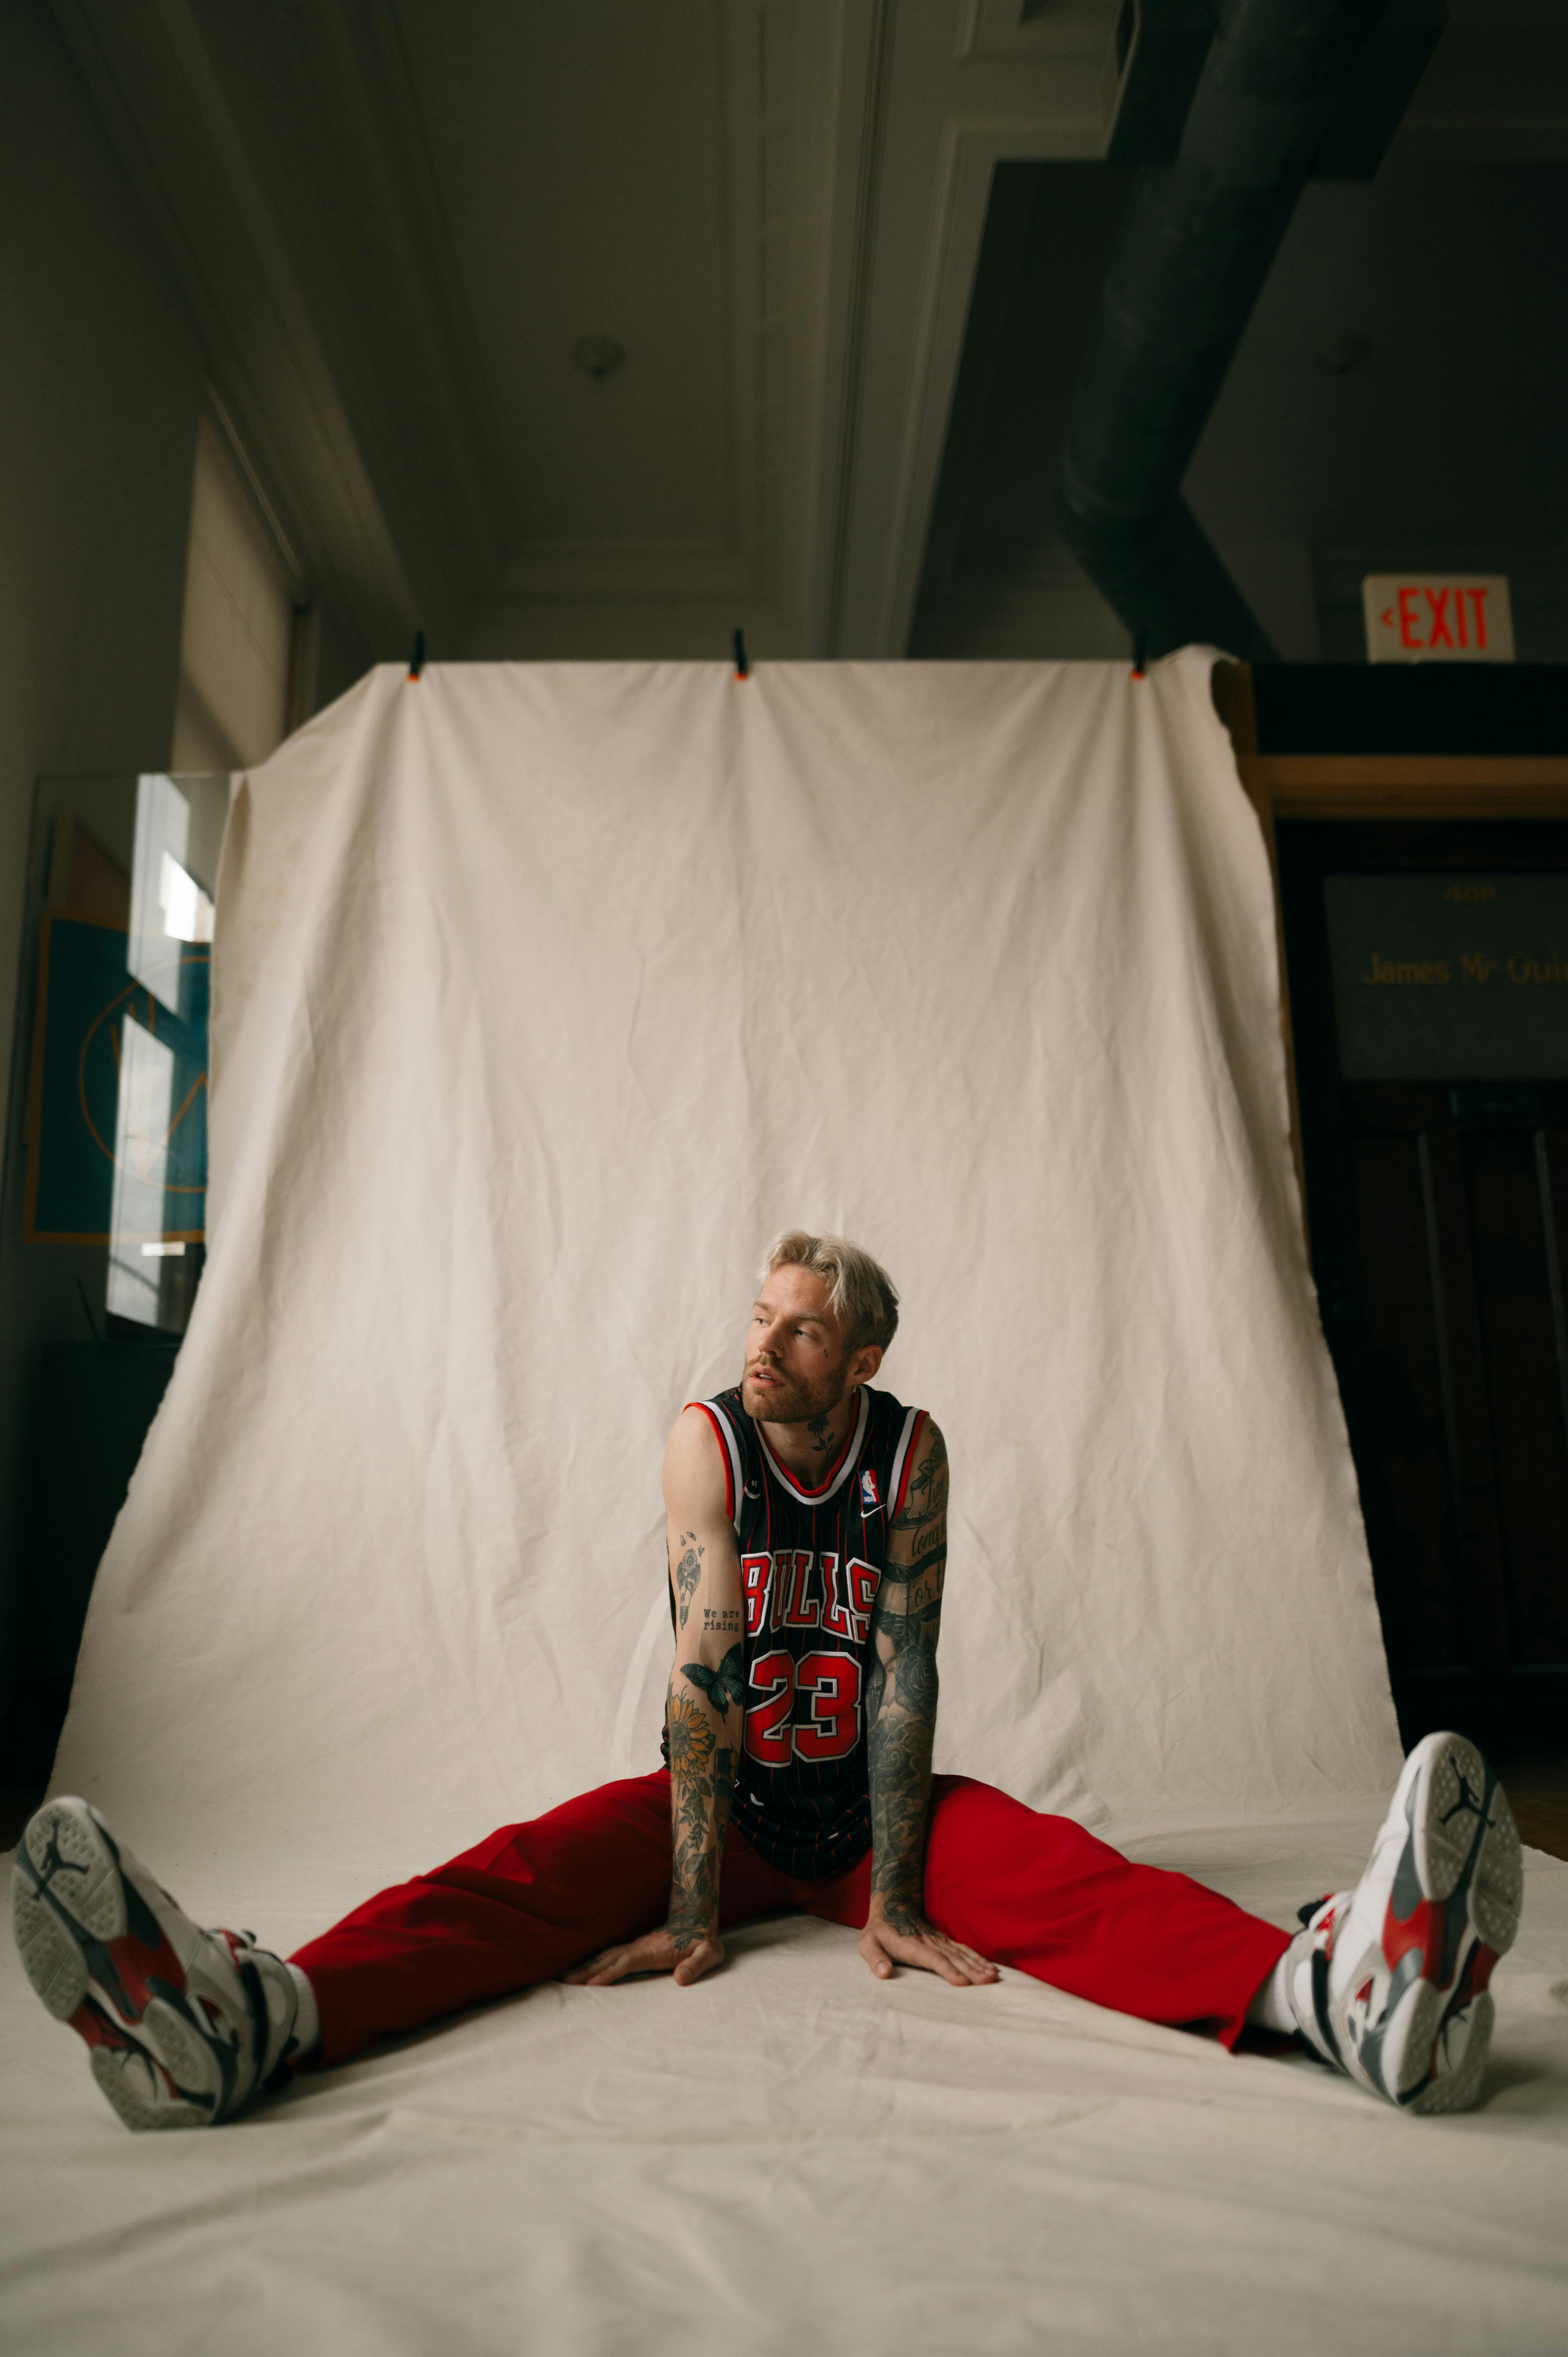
pixel 66 1882
pixel 1461 1791
pixel 137 2112
pixel 72 1906
pixel 1456 2090
pixel 1454 1909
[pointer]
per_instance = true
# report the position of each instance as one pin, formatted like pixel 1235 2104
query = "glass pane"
pixel 111 1068
pixel 1450 977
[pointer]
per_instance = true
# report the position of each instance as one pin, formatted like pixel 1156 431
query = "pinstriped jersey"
pixel 811 1563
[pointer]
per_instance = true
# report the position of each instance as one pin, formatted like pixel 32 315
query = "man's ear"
pixel 865 1361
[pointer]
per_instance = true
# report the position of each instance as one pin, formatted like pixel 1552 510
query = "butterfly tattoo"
pixel 724 1687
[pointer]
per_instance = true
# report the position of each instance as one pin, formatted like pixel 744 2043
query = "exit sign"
pixel 1437 618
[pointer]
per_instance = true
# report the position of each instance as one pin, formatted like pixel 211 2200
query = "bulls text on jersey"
pixel 805 1706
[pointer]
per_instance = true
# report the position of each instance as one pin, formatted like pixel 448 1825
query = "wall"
pixel 236 638
pixel 101 386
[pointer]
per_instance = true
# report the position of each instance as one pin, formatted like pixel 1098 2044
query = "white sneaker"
pixel 1388 1982
pixel 184 2025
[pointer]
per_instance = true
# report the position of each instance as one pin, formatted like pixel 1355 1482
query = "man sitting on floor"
pixel 807 1525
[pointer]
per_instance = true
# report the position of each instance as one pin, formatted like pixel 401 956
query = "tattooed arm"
pixel 703 1713
pixel 901 1724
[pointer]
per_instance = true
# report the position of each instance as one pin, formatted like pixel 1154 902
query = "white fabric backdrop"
pixel 543 996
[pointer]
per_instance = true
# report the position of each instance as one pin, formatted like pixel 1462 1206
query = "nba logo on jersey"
pixel 870 1503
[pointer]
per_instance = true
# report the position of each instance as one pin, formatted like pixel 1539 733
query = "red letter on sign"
pixel 1438 601
pixel 1407 599
pixel 1478 599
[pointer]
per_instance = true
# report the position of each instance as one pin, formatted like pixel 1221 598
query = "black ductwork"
pixel 1199 238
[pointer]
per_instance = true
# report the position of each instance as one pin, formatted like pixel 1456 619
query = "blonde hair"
pixel 861 1292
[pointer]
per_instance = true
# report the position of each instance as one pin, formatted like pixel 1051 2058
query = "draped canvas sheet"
pixel 543 996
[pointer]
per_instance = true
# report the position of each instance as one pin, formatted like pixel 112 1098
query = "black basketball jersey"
pixel 811 1563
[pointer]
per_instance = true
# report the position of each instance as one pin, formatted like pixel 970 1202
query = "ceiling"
pixel 394 221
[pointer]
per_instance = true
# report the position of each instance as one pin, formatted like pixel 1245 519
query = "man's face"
pixel 795 1365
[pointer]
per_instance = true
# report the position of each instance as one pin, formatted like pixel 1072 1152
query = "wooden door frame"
pixel 1370 786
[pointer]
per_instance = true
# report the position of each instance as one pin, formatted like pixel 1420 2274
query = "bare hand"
pixel 908 1939
pixel 656 1952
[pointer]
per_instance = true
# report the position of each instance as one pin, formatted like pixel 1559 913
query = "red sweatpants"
pixel 1022 1889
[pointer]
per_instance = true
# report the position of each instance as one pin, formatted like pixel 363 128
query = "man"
pixel 807 1530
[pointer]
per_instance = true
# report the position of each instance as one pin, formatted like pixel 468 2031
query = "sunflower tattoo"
pixel 690 1737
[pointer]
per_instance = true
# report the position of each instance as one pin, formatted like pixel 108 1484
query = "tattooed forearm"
pixel 901 1688
pixel 703 1758
pixel 686 1570
pixel 901 1712
pixel 913 1641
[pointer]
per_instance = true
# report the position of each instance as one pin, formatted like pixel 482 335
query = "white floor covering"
pixel 791 2157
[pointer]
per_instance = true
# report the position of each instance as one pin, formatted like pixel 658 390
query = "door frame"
pixel 1369 786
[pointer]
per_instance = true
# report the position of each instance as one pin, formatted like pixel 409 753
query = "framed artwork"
pixel 117 1101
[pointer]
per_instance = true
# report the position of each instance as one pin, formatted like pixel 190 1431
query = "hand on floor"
pixel 908 1939
pixel 656 1952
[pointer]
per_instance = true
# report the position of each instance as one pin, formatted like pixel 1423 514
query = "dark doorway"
pixel 1429 987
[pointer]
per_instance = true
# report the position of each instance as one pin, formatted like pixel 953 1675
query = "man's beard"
pixel 793 1402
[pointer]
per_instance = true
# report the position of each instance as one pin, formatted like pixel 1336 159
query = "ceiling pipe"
pixel 1199 238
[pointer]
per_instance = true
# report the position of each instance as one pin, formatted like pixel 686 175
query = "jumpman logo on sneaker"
pixel 1466 1801
pixel 55 1864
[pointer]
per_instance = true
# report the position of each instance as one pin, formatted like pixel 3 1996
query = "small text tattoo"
pixel 723 1623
